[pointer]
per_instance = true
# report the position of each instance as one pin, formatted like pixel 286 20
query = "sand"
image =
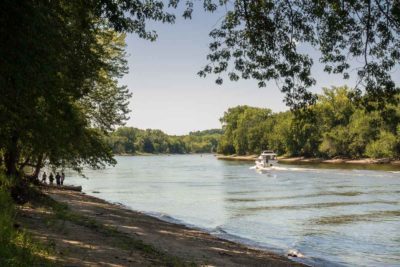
pixel 82 245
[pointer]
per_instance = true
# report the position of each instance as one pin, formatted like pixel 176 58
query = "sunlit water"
pixel 333 216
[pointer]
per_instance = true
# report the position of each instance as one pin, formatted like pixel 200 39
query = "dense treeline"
pixel 129 140
pixel 339 124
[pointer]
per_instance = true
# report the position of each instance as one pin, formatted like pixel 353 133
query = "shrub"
pixel 383 147
pixel 16 246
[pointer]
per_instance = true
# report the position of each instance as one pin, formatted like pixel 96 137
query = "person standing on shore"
pixel 51 178
pixel 62 178
pixel 44 177
pixel 58 178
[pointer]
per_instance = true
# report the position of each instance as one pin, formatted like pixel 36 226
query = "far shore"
pixel 159 154
pixel 283 159
pixel 313 160
pixel 93 232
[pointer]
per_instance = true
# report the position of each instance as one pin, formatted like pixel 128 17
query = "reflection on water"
pixel 336 216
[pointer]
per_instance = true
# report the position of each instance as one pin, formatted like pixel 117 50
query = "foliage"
pixel 16 246
pixel 129 140
pixel 337 125
pixel 383 147
pixel 264 40
pixel 61 61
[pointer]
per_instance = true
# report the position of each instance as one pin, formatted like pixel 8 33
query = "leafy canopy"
pixel 260 39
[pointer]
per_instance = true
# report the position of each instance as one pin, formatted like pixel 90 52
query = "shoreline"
pixel 160 154
pixel 363 161
pixel 189 244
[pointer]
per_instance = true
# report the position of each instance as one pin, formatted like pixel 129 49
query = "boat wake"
pixel 279 168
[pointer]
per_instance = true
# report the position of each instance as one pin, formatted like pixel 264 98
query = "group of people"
pixel 59 178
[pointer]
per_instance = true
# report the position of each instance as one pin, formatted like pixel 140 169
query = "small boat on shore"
pixel 266 160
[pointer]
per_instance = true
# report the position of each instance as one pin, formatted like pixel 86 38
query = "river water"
pixel 334 217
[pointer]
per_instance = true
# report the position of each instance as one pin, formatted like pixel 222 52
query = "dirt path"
pixel 86 244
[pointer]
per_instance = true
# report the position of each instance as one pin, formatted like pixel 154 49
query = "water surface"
pixel 335 217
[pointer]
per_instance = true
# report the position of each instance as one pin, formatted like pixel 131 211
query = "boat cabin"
pixel 266 158
pixel 268 155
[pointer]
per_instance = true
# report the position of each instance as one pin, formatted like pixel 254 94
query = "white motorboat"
pixel 266 159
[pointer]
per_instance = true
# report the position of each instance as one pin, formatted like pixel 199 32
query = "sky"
pixel 170 96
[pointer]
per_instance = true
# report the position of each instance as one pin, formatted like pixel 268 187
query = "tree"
pixel 126 136
pixel 59 70
pixel 261 39
pixel 155 141
pixel 384 147
pixel 252 129
pixel 337 125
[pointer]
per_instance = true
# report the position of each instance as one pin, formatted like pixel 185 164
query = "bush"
pixel 383 147
pixel 16 247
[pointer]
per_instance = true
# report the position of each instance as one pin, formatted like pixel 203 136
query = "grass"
pixel 17 248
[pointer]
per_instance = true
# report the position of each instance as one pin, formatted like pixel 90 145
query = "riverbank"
pixel 313 160
pixel 86 231
pixel 236 157
pixel 159 154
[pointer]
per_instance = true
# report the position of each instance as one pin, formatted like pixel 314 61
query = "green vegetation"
pixel 16 246
pixel 129 140
pixel 59 81
pixel 337 125
pixel 271 39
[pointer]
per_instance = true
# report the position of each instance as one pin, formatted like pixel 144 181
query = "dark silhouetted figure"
pixel 62 178
pixel 58 178
pixel 44 177
pixel 51 178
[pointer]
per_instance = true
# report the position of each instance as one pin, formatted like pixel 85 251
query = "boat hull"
pixel 262 165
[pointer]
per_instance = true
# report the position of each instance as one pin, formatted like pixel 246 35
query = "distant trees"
pixel 129 140
pixel 243 129
pixel 336 125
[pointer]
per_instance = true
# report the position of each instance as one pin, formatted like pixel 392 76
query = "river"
pixel 333 216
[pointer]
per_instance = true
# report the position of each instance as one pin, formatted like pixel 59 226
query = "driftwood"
pixel 64 187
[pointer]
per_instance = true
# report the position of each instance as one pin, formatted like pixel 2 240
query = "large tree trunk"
pixel 38 167
pixel 11 157
pixel 19 189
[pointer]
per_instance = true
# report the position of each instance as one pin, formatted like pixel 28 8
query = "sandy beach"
pixel 93 232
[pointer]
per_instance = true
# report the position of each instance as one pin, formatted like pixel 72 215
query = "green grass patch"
pixel 17 248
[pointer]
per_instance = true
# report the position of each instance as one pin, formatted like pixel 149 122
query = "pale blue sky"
pixel 168 94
